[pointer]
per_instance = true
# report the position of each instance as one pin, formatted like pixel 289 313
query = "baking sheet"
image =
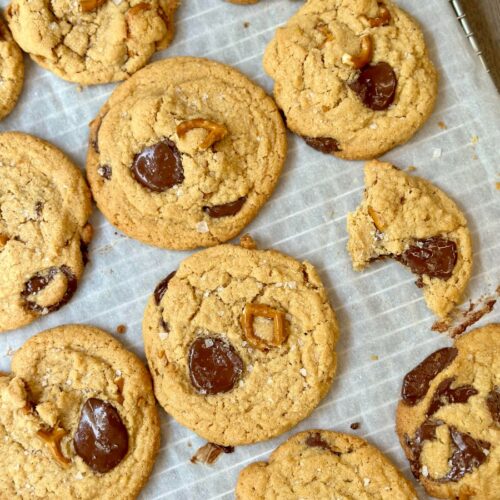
pixel 385 326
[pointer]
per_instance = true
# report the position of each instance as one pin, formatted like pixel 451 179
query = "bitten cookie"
pixel 185 153
pixel 44 209
pixel 448 420
pixel 353 78
pixel 407 218
pixel 11 71
pixel 77 418
pixel 240 343
pixel 92 41
pixel 321 465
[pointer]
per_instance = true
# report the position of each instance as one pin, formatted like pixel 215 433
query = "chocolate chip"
pixel 214 365
pixel 84 249
pixel 355 426
pixel 315 440
pixel 426 432
pixel 469 453
pixel 436 257
pixel 324 144
pixel 493 403
pixel 164 325
pixel 376 86
pixel 416 383
pixel 209 453
pixel 38 209
pixel 158 167
pixel 40 281
pixel 162 287
pixel 101 438
pixel 445 395
pixel 231 208
pixel 105 172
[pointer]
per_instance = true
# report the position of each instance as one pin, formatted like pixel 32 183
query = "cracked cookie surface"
pixel 92 41
pixel 214 377
pixel 185 153
pixel 448 420
pixel 11 71
pixel 44 209
pixel 64 381
pixel 353 78
pixel 407 218
pixel 319 465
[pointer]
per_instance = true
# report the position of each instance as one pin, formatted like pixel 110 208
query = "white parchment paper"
pixel 380 311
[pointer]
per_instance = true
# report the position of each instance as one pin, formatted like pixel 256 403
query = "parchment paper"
pixel 380 311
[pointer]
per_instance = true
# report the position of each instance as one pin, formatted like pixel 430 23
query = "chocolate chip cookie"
pixel 11 71
pixel 77 418
pixel 44 233
pixel 317 465
pixel 353 78
pixel 406 218
pixel 448 420
pixel 185 153
pixel 92 41
pixel 240 343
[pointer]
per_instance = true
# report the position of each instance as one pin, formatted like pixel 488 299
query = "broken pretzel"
pixel 383 17
pixel 216 132
pixel 52 438
pixel 280 333
pixel 364 56
pixel 90 5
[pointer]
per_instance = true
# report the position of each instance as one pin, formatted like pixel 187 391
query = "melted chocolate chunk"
pixel 164 325
pixel 426 432
pixel 324 144
pixel 445 395
pixel 101 438
pixel 158 167
pixel 316 441
pixel 416 383
pixel 376 86
pixel 493 403
pixel 40 280
pixel 162 287
pixel 214 365
pixel 436 257
pixel 105 172
pixel 231 208
pixel 469 453
pixel 38 209
pixel 84 249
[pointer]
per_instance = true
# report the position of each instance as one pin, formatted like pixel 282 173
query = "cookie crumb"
pixel 411 168
pixel 442 125
pixel 121 329
pixel 246 24
pixel 497 185
pixel 374 357
pixel 436 153
pixel 246 241
pixel 355 426
pixel 474 139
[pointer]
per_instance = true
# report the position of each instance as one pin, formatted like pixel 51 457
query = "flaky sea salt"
pixel 436 153
pixel 202 227
pixel 303 372
pixel 366 481
pixel 424 471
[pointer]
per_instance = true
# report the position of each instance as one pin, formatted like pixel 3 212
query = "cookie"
pixel 92 41
pixel 11 71
pixel 321 465
pixel 408 219
pixel 240 343
pixel 448 420
pixel 185 153
pixel 243 2
pixel 77 418
pixel 353 78
pixel 44 209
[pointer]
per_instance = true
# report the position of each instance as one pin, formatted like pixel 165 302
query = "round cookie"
pixel 92 41
pixel 44 208
pixel 77 418
pixel 353 78
pixel 11 71
pixel 409 219
pixel 317 465
pixel 185 153
pixel 240 343
pixel 448 420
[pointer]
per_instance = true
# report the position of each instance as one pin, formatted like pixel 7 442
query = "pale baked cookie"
pixel 322 465
pixel 409 219
pixel 185 153
pixel 353 78
pixel 92 41
pixel 44 209
pixel 240 343
pixel 77 418
pixel 11 71
pixel 448 421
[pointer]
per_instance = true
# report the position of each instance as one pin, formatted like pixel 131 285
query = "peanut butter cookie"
pixel 240 343
pixel 44 209
pixel 353 78
pixel 77 418
pixel 92 41
pixel 185 153
pixel 321 465
pixel 407 218
pixel 448 420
